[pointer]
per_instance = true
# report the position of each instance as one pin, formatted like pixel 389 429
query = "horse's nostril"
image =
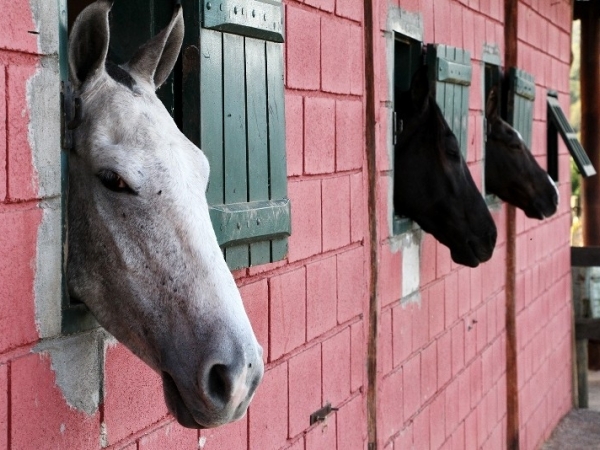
pixel 219 384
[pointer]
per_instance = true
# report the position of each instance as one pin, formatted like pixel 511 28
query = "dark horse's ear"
pixel 419 88
pixel 491 103
pixel 88 44
pixel 155 59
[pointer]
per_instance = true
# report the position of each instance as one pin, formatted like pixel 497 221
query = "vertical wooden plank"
pixel 276 122
pixel 257 132
pixel 530 115
pixel 449 54
pixel 234 136
pixel 211 113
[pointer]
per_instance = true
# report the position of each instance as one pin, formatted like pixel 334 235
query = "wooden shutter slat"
pixel 276 119
pixel 211 113
pixel 258 139
pixel 234 135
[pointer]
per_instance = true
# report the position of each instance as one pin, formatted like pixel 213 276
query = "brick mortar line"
pixel 292 440
pixel 315 341
pixel 290 267
pixel 134 438
pixel 321 12
pixel 14 354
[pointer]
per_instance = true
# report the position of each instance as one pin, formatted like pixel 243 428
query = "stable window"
pixel 558 124
pixel 492 76
pixel 227 95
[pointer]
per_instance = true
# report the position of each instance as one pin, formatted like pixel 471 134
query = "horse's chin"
pixel 182 413
pixel 177 406
pixel 470 254
pixel 464 257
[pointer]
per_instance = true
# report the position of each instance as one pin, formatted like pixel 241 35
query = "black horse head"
pixel 433 185
pixel 511 171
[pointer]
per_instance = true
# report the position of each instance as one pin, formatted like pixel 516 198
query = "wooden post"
pixel 580 382
pixel 590 117
pixel 512 382
pixel 370 30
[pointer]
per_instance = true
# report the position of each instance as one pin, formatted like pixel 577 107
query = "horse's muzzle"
pixel 223 394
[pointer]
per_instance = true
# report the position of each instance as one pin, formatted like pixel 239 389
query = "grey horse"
pixel 142 253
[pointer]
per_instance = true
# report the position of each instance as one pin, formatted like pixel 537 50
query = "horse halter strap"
pixel 71 115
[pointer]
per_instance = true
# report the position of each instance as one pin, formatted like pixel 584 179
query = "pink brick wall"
pixel 441 374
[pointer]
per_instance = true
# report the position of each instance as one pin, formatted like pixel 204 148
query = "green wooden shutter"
pixel 521 95
pixel 558 120
pixel 450 69
pixel 233 109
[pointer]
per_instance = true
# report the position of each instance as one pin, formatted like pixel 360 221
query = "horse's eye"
pixel 114 182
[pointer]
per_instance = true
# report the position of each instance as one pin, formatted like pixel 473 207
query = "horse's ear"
pixel 88 44
pixel 419 88
pixel 154 60
pixel 491 103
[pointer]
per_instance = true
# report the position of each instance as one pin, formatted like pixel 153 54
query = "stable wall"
pixel 441 339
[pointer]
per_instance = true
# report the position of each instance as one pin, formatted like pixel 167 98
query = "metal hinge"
pixel 70 114
pixel 321 414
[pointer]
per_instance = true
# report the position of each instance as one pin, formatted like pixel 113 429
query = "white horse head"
pixel 142 251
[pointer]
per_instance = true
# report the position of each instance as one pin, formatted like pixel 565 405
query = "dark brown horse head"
pixel 511 171
pixel 433 185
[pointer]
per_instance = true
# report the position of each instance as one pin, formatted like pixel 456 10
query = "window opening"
pixel 408 56
pixel 492 76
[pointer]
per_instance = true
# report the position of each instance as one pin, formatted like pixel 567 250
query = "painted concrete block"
pixel 351 425
pixel 319 135
pixel 40 417
pixel 321 297
pixel 335 55
pixel 349 135
pixel 336 212
pixel 256 302
pixel 351 284
pixel 305 240
pixel 322 437
pixel 294 129
pixel 22 178
pixel 304 388
pixel 18 239
pixel 268 413
pixel 133 395
pixel 172 435
pixel 233 435
pixel 287 312
pixel 303 50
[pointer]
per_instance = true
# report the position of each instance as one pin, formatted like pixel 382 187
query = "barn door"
pixel 233 109
pixel 521 95
pixel 450 70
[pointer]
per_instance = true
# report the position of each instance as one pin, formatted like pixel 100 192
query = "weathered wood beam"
pixel 587 329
